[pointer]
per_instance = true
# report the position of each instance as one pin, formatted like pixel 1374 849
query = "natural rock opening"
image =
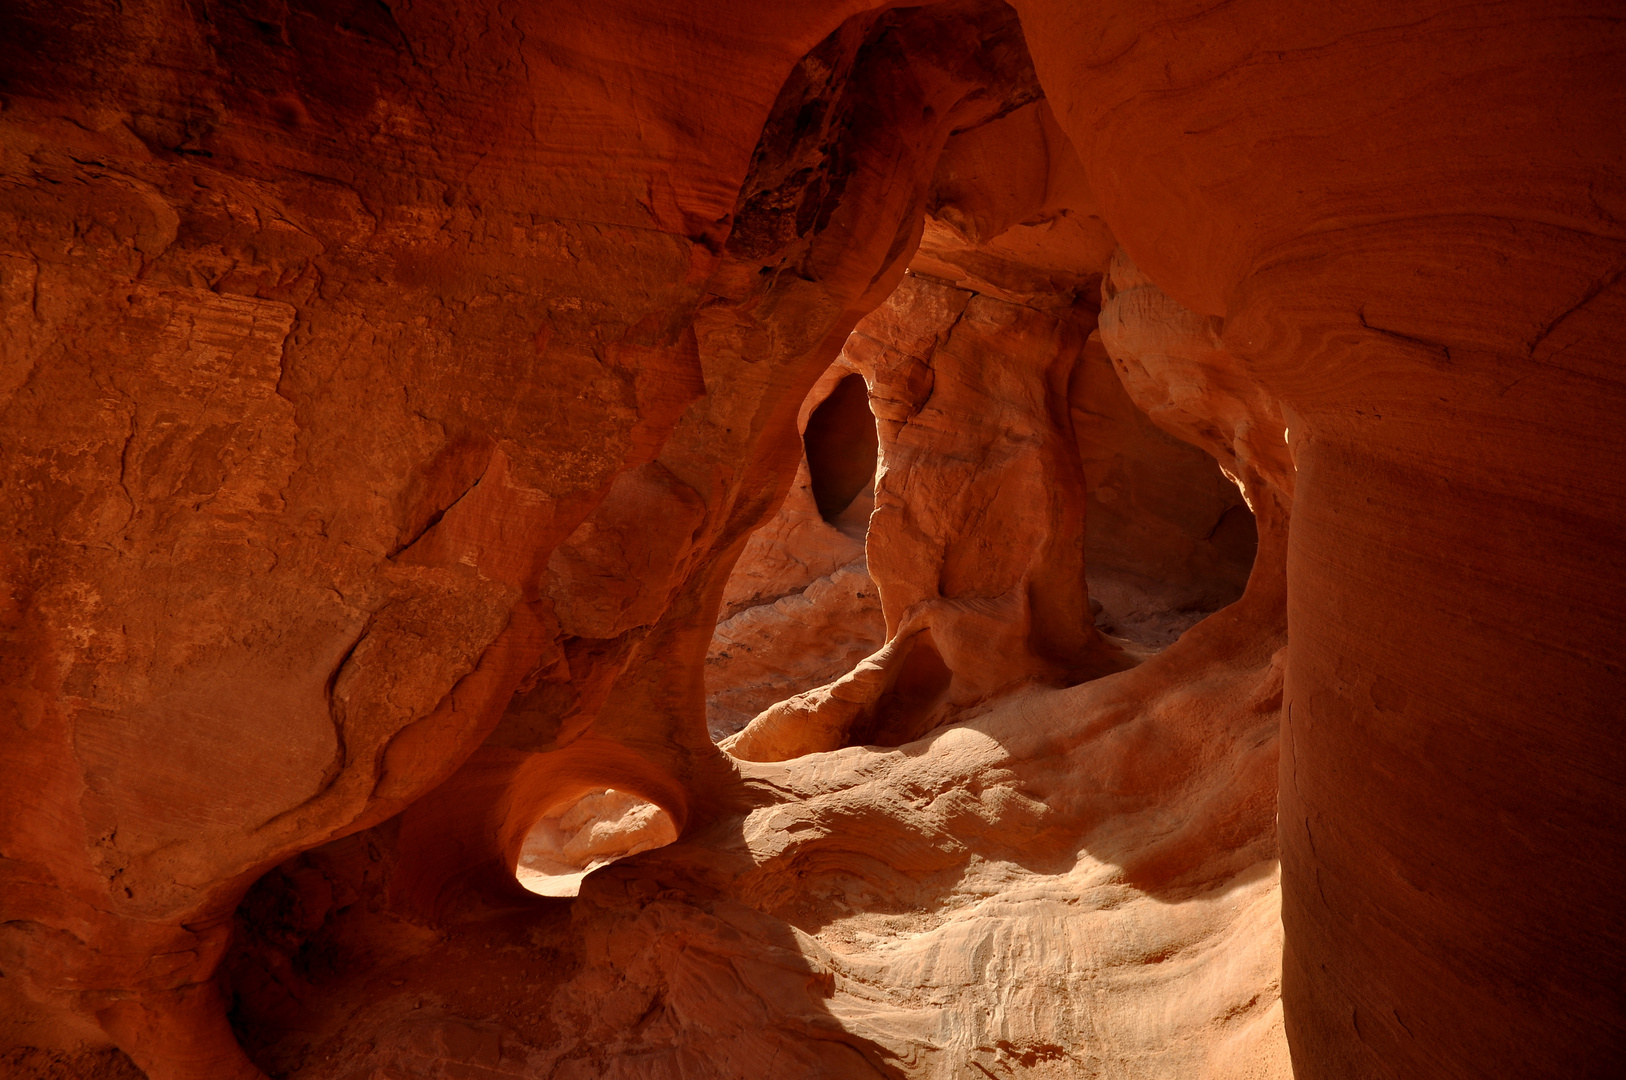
pixel 840 442
pixel 800 608
pixel 979 403
pixel 1168 537
pixel 571 841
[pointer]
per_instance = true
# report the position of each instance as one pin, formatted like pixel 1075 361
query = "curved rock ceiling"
pixel 413 492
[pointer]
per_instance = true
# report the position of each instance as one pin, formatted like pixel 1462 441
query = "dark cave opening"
pixel 1169 537
pixel 1159 565
pixel 842 444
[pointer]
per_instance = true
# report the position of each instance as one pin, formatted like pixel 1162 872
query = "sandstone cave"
pixel 695 541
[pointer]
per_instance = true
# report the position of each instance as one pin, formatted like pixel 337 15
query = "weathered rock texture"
pixel 976 541
pixel 987 897
pixel 800 608
pixel 1014 219
pixel 388 390
pixel 992 415
pixel 332 409
pixel 1408 221
pixel 1168 538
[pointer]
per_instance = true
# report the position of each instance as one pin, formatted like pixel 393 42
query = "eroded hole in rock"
pixel 1002 432
pixel 800 607
pixel 841 444
pixel 1168 537
pixel 1152 605
pixel 595 830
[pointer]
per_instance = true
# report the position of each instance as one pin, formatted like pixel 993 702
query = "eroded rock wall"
pixel 387 393
pixel 976 540
pixel 1075 882
pixel 334 319
pixel 1406 222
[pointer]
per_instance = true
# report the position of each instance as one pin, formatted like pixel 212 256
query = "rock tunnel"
pixel 966 539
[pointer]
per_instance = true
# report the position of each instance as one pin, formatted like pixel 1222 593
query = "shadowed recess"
pixel 841 445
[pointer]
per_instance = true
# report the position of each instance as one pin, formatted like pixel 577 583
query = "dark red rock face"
pixel 1113 474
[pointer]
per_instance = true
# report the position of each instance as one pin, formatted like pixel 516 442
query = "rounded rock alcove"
pixel 576 838
pixel 842 448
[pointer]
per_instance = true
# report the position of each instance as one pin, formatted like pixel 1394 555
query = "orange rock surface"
pixel 976 540
pixel 401 406
pixel 1407 219
pixel 800 608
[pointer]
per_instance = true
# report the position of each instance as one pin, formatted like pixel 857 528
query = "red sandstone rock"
pixel 976 542
pixel 333 352
pixel 1408 220
pixel 1013 216
pixel 386 394
pixel 799 608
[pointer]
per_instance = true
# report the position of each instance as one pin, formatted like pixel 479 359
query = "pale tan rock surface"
pixel 597 829
pixel 771 652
